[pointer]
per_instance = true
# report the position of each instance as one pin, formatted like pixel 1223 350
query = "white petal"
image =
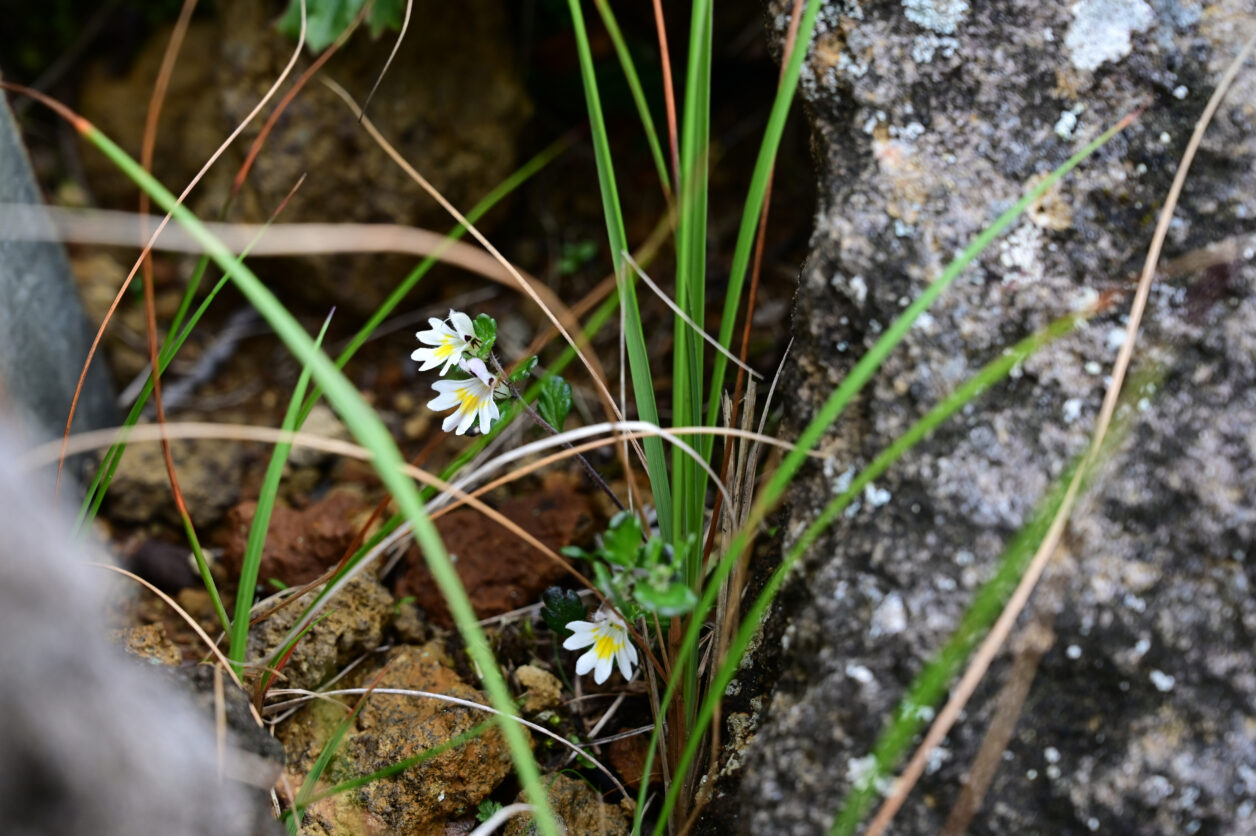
pixel 443 401
pixel 579 639
pixel 462 324
pixel 450 422
pixel 476 368
pixel 603 671
pixel 625 667
pixel 630 650
pixel 585 663
pixel 448 385
pixel 468 418
pixel 486 420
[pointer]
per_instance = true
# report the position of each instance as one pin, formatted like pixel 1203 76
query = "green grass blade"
pixel 369 431
pixel 261 519
pixel 638 94
pixel 753 206
pixel 634 335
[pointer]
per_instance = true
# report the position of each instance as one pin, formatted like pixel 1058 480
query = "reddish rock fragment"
pixel 300 545
pixel 500 571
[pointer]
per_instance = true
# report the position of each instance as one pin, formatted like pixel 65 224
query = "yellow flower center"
pixel 469 400
pixel 444 349
pixel 606 646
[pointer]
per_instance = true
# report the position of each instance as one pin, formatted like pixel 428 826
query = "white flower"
pixel 609 637
pixel 473 397
pixel 450 344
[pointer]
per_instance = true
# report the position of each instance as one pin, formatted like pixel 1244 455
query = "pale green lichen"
pixel 1101 30
pixel 942 16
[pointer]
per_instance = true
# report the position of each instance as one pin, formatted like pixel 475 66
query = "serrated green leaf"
pixel 485 333
pixel 560 607
pixel 555 401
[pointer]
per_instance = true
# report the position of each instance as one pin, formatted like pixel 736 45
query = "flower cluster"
pixel 608 636
pixel 452 342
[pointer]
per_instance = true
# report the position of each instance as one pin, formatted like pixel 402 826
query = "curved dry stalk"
pixel 545 299
pixel 998 633
pixel 475 706
pixel 91 353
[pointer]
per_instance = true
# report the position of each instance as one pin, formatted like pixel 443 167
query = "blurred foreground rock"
pixel 452 104
pixel 93 741
pixel 931 118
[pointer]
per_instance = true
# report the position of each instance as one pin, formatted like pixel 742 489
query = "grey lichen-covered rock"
pixel 931 118
pixel 44 335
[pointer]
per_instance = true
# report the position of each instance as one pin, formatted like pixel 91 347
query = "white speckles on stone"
pixel 942 16
pixel 1085 298
pixel 1164 682
pixel 1115 339
pixel 1180 92
pixel 925 47
pixel 1019 253
pixel 1053 772
pixel 889 618
pixel 1092 367
pixel 902 229
pixel 1073 652
pixel 1052 754
pixel 1031 774
pixel 964 558
pixel 859 673
pixel 874 496
pixel 1072 410
pixel 859 289
pixel 1141 647
pixel 1092 823
pixel 1101 30
pixel 1165 139
pixel 1066 124
pixel 937 757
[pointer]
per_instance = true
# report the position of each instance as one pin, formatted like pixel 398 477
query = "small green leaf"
pixel 621 544
pixel 555 401
pixel 385 14
pixel 525 369
pixel 560 607
pixel 485 334
pixel 486 809
pixel 325 20
pixel 575 552
pixel 675 598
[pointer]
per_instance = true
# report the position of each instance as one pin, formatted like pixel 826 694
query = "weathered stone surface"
pixel 391 728
pixel 578 807
pixel 460 133
pixel 930 118
pixel 353 623
pixel 209 477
